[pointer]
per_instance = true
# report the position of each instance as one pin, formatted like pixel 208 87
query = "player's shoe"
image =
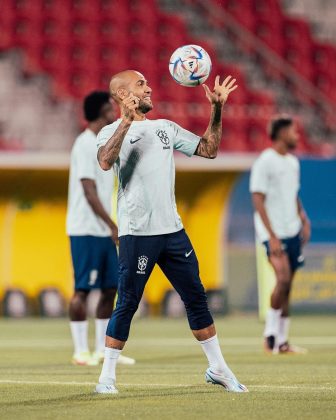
pixel 230 384
pixel 122 360
pixel 287 348
pixel 106 389
pixel 84 359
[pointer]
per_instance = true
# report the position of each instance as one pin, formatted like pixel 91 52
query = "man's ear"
pixel 122 93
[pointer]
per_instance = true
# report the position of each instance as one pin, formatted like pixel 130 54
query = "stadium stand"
pixel 80 43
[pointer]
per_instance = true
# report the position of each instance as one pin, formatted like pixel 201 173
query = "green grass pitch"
pixel 37 380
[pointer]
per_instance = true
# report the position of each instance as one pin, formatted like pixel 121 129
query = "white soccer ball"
pixel 190 65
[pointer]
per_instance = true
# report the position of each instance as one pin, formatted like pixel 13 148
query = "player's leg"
pixel 79 326
pixel 137 257
pixel 180 265
pixel 296 260
pixel 82 263
pixel 284 323
pixel 283 276
pixel 103 314
pixel 109 285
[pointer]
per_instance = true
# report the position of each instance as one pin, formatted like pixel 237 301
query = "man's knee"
pixel 198 313
pixel 108 295
pixel 80 297
pixel 121 319
pixel 127 303
pixel 284 287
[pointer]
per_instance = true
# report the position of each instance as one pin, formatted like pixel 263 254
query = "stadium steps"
pixel 321 15
pixel 31 119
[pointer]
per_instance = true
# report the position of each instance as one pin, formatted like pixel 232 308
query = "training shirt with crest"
pixel 278 178
pixel 146 172
pixel 81 219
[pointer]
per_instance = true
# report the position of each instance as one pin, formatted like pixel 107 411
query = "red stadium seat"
pixel 85 31
pixel 256 134
pixel 297 34
pixel 170 26
pixel 270 32
pixel 81 82
pixel 56 9
pixel 143 11
pixel 6 34
pixel 324 58
pixel 55 58
pixel 57 31
pixel 113 55
pixel 301 60
pixel 26 32
pixel 116 10
pixel 27 9
pixel 85 9
pixel 243 12
pixel 234 136
pixel 110 32
pixel 138 33
pixel 268 9
pixel 84 56
pixel 140 58
pixel 169 90
pixel 196 125
pixel 261 104
pixel 326 81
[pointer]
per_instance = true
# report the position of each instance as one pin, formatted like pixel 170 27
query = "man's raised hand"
pixel 130 105
pixel 220 92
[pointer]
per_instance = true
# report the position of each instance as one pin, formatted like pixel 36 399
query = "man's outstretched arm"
pixel 209 143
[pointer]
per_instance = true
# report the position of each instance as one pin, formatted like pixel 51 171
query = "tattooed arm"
pixel 109 153
pixel 209 143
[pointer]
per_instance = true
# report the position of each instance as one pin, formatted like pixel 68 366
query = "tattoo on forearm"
pixel 109 153
pixel 209 143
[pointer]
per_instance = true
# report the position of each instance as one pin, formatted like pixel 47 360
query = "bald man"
pixel 150 230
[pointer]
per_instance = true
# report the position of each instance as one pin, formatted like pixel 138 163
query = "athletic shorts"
pixel 95 262
pixel 293 248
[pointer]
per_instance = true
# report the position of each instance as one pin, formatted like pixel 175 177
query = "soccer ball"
pixel 190 65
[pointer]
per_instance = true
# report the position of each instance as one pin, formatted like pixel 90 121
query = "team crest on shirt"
pixel 142 264
pixel 163 136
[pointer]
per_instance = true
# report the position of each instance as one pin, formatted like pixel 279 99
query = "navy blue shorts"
pixel 293 248
pixel 95 262
pixel 175 256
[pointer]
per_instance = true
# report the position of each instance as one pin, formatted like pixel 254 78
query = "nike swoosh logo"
pixel 135 140
pixel 188 253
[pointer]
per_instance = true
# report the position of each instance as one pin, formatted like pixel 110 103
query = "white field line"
pixel 261 387
pixel 166 342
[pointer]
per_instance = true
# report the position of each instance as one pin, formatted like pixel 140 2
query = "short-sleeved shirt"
pixel 81 219
pixel 146 173
pixel 278 177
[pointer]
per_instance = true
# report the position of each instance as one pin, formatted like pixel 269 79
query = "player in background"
pixel 93 235
pixel 150 229
pixel 281 224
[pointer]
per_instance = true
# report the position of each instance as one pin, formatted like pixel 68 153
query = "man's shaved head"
pixel 131 82
pixel 122 80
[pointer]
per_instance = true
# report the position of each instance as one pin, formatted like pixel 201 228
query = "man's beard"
pixel 291 146
pixel 144 107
